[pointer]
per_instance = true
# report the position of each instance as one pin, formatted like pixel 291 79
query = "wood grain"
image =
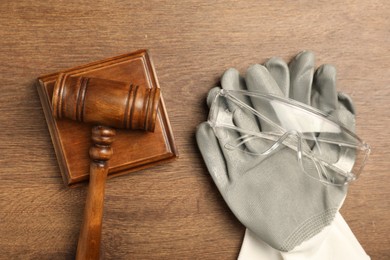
pixel 174 211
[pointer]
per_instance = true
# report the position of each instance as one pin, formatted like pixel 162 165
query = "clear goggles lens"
pixel 324 148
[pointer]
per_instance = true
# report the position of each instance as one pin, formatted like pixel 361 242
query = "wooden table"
pixel 174 211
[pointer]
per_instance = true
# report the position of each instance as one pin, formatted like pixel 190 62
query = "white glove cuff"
pixel 336 242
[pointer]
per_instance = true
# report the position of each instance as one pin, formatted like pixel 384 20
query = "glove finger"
pixel 342 110
pixel 324 94
pixel 242 118
pixel 280 72
pixel 278 69
pixel 326 98
pixel 345 114
pixel 301 76
pixel 228 139
pixel 232 80
pixel 258 79
pixel 211 95
pixel 346 101
pixel 212 154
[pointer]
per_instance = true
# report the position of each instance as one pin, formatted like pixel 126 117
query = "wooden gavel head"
pixel 105 102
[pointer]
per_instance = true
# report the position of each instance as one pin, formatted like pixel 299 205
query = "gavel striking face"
pixel 106 104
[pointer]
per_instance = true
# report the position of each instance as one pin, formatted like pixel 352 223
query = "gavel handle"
pixel 91 229
pixel 90 235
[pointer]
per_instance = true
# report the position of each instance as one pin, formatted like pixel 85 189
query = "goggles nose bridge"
pixel 280 141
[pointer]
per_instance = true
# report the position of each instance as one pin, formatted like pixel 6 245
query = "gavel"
pixel 107 104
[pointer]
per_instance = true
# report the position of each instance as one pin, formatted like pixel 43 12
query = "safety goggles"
pixel 325 149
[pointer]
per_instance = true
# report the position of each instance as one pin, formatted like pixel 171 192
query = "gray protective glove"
pixel 272 197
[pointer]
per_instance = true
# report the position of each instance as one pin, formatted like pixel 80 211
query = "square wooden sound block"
pixel 133 149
